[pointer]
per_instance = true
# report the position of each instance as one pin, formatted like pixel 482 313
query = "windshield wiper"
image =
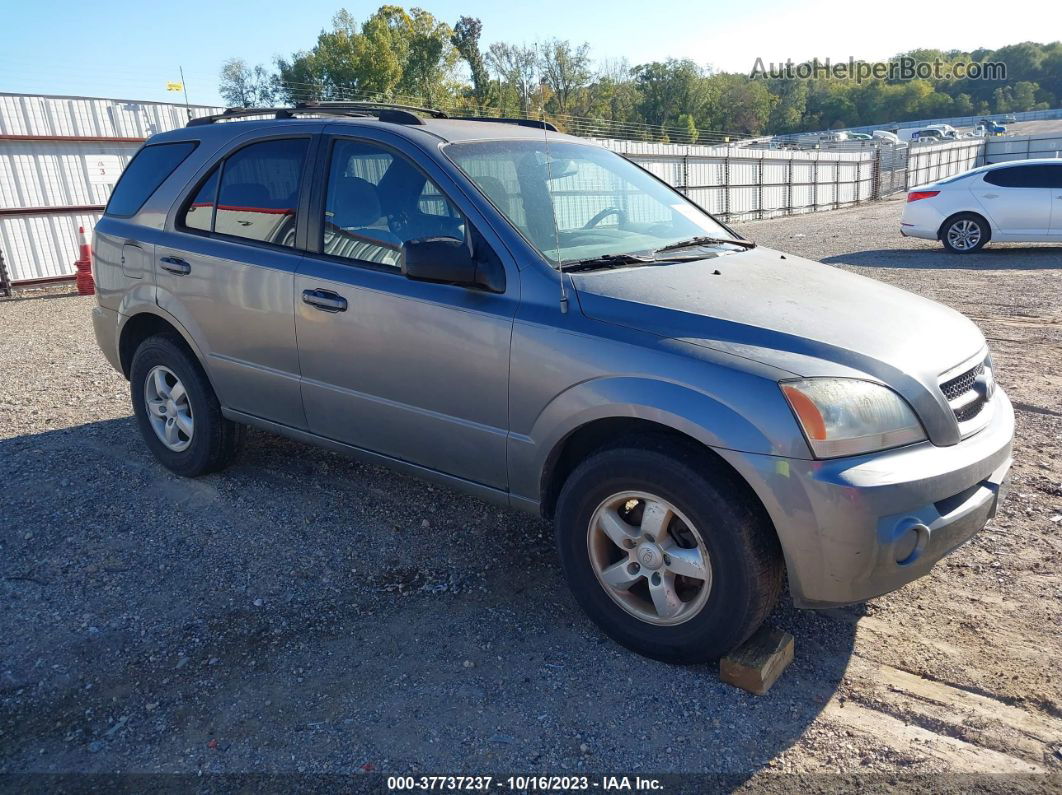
pixel 608 261
pixel 705 241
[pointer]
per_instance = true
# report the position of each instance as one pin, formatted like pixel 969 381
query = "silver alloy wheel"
pixel 168 408
pixel 964 234
pixel 649 558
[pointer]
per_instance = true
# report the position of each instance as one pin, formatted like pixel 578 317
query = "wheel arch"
pixel 605 432
pixel 146 323
pixel 944 224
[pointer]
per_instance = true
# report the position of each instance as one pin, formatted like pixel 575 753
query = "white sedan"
pixel 1012 201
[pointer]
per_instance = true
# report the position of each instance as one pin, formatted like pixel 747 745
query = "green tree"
pixel 565 70
pixel 689 127
pixel 465 39
pixel 670 88
pixel 516 68
pixel 428 70
pixel 243 87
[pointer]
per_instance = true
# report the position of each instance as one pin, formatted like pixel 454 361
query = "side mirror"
pixel 450 261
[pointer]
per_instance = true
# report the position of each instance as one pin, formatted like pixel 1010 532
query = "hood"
pixel 795 314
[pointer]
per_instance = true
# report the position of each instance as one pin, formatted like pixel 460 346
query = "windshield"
pixel 582 202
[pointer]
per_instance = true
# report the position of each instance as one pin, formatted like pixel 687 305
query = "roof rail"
pixel 396 114
pixel 538 124
pixel 378 107
pixel 384 111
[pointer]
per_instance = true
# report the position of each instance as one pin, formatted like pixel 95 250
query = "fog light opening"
pixel 910 542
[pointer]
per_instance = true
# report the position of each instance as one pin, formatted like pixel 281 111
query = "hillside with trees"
pixel 413 57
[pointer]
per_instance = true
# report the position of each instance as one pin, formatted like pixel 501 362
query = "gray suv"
pixel 534 319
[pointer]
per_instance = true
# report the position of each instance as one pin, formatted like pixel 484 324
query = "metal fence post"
pixel 762 180
pixel 875 175
pixel 837 183
pixel 789 187
pixel 815 183
pixel 726 182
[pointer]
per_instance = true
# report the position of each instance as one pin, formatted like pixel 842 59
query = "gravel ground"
pixel 305 613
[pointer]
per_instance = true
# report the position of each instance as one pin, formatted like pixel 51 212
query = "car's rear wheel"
pixel 177 411
pixel 667 551
pixel 964 233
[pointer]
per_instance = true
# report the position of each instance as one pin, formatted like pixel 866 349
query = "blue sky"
pixel 130 50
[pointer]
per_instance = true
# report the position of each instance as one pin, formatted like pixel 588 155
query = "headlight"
pixel 845 416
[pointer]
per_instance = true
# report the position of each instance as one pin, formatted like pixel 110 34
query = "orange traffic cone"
pixel 85 285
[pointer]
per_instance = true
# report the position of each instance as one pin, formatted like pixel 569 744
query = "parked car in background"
pixel 928 134
pixel 536 320
pixel 988 127
pixel 859 136
pixel 1010 118
pixel 885 135
pixel 1012 201
pixel 946 130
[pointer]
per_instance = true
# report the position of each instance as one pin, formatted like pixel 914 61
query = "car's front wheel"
pixel 667 551
pixel 964 233
pixel 177 411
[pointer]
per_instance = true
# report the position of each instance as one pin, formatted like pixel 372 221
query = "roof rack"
pixel 396 114
pixel 538 124
pixel 384 111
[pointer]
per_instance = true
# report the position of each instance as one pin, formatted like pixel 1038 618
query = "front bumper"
pixel 846 524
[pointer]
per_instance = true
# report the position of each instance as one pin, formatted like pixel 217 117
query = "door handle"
pixel 175 265
pixel 325 300
pixel 991 195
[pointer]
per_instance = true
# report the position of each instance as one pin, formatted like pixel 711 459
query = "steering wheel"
pixel 601 216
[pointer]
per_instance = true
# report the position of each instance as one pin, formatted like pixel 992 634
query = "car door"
pixel 412 370
pixel 1053 179
pixel 226 271
pixel 1016 202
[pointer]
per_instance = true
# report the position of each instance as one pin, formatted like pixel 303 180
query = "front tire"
pixel 965 233
pixel 667 550
pixel 177 411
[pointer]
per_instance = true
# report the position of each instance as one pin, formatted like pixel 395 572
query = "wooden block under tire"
pixel 758 662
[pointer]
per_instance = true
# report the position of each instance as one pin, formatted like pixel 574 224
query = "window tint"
pixel 375 202
pixel 144 174
pixel 259 191
pixel 1024 177
pixel 199 214
pixel 1052 175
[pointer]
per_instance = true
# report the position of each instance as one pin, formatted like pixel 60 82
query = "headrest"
pixel 354 202
pixel 246 194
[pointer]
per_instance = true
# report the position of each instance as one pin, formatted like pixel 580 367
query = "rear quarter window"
pixel 1033 176
pixel 145 172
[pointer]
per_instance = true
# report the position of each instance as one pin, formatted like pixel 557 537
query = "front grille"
pixel 962 383
pixel 961 386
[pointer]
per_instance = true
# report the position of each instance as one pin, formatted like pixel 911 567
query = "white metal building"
pixel 59 159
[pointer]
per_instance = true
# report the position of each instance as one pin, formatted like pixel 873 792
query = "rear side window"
pixel 259 191
pixel 1020 177
pixel 200 213
pixel 252 194
pixel 145 172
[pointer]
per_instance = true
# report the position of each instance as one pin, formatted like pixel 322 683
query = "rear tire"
pixel 177 411
pixel 965 233
pixel 731 534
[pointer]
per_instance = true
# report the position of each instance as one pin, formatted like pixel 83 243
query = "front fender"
pixel 748 415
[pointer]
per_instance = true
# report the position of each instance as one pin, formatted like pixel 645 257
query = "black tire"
pixel 215 440
pixel 985 232
pixel 745 557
